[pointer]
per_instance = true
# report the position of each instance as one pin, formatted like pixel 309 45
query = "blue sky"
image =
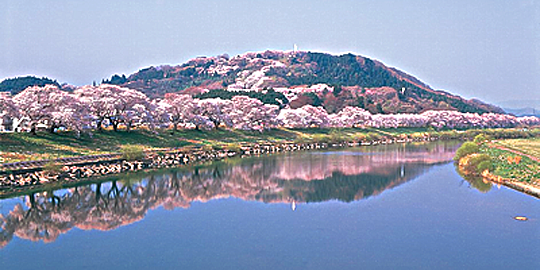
pixel 484 49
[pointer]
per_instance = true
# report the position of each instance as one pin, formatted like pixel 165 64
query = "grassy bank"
pixel 24 146
pixel 515 159
pixel 513 162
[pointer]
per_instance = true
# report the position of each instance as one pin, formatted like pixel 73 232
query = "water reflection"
pixel 474 181
pixel 347 175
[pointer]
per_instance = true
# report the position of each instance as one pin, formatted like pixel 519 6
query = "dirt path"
pixel 514 151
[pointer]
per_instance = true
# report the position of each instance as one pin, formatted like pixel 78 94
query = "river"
pixel 397 206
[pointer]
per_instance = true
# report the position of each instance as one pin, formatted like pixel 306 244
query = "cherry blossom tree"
pixel 292 118
pixel 179 109
pixel 351 117
pixel 251 114
pixel 99 101
pixel 528 120
pixel 215 110
pixel 94 106
pixel 384 121
pixel 318 117
pixel 9 112
pixel 50 106
pixel 142 113
pixel 113 103
pixel 201 122
pixel 306 116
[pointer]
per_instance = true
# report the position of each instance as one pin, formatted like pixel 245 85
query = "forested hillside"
pixel 16 85
pixel 291 79
pixel 347 80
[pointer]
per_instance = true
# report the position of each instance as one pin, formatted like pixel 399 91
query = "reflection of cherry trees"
pixel 304 177
pixel 100 206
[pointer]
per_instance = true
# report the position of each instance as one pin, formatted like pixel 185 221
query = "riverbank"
pixel 197 147
pixel 514 163
pixel 69 171
pixel 21 147
pixel 34 173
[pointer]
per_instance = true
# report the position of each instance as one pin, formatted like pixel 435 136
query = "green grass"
pixel 528 170
pixel 24 146
pixel 528 146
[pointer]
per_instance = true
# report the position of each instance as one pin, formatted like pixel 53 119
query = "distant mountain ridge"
pixel 530 107
pixel 523 111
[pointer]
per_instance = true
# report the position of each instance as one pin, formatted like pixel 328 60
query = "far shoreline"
pixel 15 179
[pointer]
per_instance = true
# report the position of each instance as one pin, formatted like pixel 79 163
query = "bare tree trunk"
pixel 175 127
pixel 33 129
pixel 51 129
pixel 99 124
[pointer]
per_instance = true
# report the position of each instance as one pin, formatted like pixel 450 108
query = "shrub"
pixel 480 138
pixel 233 147
pixel 484 165
pixel 448 134
pixel 132 152
pixel 466 148
pixel 337 136
pixel 475 161
pixel 417 136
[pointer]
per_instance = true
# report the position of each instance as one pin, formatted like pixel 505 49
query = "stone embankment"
pixel 74 169
pixel 33 173
pixel 530 189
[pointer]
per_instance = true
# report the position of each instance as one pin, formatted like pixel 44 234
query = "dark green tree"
pixel 18 84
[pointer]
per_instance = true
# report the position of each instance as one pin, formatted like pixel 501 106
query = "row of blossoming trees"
pixel 95 107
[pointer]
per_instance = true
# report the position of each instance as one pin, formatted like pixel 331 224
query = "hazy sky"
pixel 485 49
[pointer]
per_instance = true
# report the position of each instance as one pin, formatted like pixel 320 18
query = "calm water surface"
pixel 385 207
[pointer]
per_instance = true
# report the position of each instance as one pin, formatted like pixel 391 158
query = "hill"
pixel 16 85
pixel 333 81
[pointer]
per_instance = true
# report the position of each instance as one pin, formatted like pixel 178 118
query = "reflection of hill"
pixel 304 177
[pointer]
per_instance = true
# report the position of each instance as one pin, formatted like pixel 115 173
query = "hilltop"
pixel 291 79
pixel 16 85
pixel 333 81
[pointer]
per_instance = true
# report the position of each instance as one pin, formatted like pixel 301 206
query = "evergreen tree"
pixel 18 84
